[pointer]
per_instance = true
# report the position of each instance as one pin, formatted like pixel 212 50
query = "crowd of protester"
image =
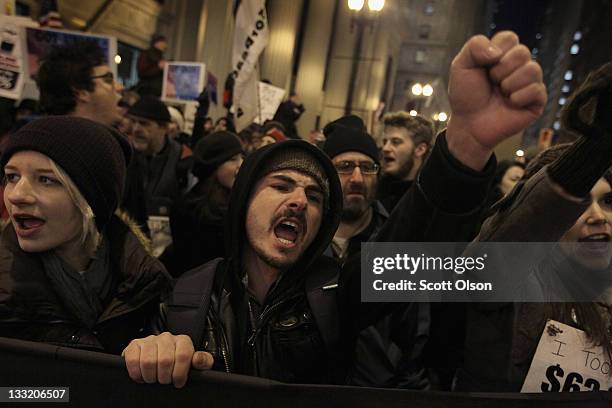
pixel 261 272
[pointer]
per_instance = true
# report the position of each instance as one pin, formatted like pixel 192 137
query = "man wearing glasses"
pixel 75 79
pixel 356 159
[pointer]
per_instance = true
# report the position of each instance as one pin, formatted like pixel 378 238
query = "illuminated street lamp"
pixel 427 90
pixel 361 19
pixel 417 89
pixel 413 113
pixel 355 5
pixel 520 153
pixel 442 117
pixel 376 5
pixel 117 59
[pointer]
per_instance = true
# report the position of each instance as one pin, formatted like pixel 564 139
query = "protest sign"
pixel 12 55
pixel 183 81
pixel 566 360
pixel 270 98
pixel 39 41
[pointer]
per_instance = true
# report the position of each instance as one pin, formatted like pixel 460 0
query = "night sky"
pixel 521 16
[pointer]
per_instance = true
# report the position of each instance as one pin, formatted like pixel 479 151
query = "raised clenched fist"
pixel 495 91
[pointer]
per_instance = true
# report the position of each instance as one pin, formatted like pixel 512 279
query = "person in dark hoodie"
pixel 71 272
pixel 198 217
pixel 272 308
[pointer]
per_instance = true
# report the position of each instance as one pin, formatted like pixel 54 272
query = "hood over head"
pixel 263 162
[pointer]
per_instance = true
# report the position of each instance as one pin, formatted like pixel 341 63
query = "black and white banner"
pixel 250 38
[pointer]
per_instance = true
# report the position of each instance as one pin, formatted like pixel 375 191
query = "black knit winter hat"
pixel 151 108
pixel 349 134
pixel 212 151
pixel 93 155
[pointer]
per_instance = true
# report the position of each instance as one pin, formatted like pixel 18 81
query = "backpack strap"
pixel 189 302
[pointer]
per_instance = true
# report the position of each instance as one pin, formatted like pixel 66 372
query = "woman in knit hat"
pixel 197 219
pixel 71 272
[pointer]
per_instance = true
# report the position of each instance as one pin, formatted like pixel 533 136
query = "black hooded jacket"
pixel 280 339
pixel 307 327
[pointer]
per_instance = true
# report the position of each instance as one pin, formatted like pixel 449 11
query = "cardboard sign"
pixel 183 81
pixel 270 98
pixel 566 361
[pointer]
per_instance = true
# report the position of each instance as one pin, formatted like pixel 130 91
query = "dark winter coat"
pixel 155 182
pixel 288 113
pixel 502 337
pixel 195 238
pixel 379 217
pixel 390 191
pixel 31 310
pixel 150 75
pixel 298 337
pixel 381 362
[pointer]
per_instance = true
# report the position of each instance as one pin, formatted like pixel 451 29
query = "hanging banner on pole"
pixel 250 38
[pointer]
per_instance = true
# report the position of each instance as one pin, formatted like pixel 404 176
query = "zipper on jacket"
pixel 257 327
pixel 251 341
pixel 223 344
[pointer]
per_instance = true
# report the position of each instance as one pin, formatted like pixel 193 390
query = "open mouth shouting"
pixel 387 160
pixel 288 231
pixel 596 243
pixel 27 225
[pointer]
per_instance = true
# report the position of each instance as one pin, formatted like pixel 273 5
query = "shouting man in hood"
pixel 275 307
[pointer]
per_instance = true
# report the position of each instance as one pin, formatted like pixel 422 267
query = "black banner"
pixel 96 379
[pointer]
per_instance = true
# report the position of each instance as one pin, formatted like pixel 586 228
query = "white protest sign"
pixel 270 98
pixel 565 360
pixel 12 56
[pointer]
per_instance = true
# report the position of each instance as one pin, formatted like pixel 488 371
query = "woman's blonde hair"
pixel 90 237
